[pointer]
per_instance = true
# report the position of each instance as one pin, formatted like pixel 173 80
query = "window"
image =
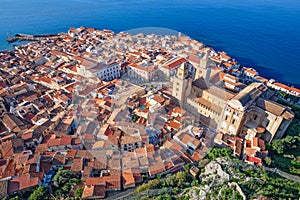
pixel 226 117
pixel 233 121
pixel 255 117
pixel 267 124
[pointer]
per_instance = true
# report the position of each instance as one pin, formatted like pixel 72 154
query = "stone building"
pixel 247 113
pixel 182 84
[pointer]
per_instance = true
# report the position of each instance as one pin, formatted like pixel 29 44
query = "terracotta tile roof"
pixel 7 137
pixel 45 167
pixel 227 65
pixel 21 159
pixel 149 148
pixel 46 79
pixel 248 144
pixel 2 128
pixel 95 181
pixel 128 139
pixel 156 168
pixel 283 86
pixel 100 164
pixel 140 151
pixel 158 98
pixel 12 122
pixel 113 182
pixel 196 156
pixel 178 110
pixel 189 140
pixel 75 141
pixel 136 174
pixel 143 160
pixel 59 159
pixel 251 71
pixel 168 164
pixel 253 159
pixel 3 187
pixel 7 149
pixel 128 178
pixel 255 142
pixel 93 192
pixel 176 62
pixel 295 89
pixel 238 147
pixel 174 146
pixel 71 153
pixel 84 154
pixel 22 182
pixel 270 106
pixel 77 165
pixel 29 116
pixel 64 140
pixel 27 136
pixel 193 57
pixel 224 55
pixel 174 125
pixel 41 148
pixel 250 151
pixel 10 169
pixel 88 137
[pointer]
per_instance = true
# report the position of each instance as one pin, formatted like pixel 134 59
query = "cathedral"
pixel 247 113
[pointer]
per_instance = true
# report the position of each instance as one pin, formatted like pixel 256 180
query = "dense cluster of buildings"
pixel 245 118
pixel 63 104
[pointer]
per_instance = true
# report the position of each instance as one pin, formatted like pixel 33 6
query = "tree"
pixel 63 182
pixel 78 192
pixel 170 180
pixel 181 178
pixel 195 182
pixel 158 177
pixel 39 193
pixel 268 161
pixel 164 197
pixel 278 146
pixel 186 167
pixel 287 143
pixel 215 153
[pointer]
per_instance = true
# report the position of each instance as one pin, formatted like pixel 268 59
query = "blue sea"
pixel 264 34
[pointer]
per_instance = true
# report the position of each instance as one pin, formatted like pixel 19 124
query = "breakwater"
pixel 30 37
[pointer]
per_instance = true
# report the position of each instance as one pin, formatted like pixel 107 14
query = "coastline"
pixel 262 71
pixel 119 109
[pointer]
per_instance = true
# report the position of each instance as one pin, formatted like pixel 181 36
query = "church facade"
pixel 248 113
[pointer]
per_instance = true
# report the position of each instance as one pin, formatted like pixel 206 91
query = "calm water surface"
pixel 264 34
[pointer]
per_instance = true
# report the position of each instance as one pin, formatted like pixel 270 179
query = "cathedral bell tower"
pixel 182 84
pixel 204 70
